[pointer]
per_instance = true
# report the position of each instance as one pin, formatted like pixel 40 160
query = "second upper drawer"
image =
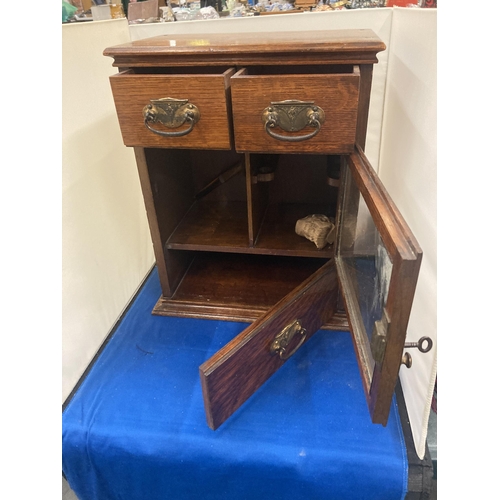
pixel 174 110
pixel 295 113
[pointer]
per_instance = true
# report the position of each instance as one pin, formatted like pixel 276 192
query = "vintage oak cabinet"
pixel 236 138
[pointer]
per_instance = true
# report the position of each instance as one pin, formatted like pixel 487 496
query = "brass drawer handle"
pixel 172 113
pixel 293 116
pixel 281 341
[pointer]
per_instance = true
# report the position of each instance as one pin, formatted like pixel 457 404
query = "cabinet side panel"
pixel 366 72
pixel 167 189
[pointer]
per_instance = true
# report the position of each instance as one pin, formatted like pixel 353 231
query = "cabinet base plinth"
pixel 188 309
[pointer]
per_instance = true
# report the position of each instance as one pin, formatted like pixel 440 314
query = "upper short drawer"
pixel 174 110
pixel 295 113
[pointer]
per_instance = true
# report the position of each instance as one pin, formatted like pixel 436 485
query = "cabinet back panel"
pixel 209 165
pixel 301 179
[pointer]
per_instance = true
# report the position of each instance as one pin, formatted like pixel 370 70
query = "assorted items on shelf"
pixel 157 11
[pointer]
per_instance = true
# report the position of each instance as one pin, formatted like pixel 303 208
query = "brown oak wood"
pixel 258 197
pixel 395 233
pixel 336 94
pixel 222 227
pixel 239 287
pixel 366 72
pixel 246 314
pixel 208 165
pixel 164 213
pixel 243 280
pixel 212 225
pixel 233 254
pixel 208 93
pixel 234 373
pixel 277 231
pixel 406 255
pixel 282 48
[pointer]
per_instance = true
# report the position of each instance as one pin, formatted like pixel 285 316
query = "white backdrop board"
pixel 106 249
pixel 408 169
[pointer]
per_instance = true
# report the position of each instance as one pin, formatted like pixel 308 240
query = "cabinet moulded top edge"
pixel 346 46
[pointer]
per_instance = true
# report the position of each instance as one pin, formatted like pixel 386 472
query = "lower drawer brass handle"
pixel 283 339
pixel 293 116
pixel 172 113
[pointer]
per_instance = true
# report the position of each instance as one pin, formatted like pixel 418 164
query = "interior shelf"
pixel 234 287
pixel 212 226
pixel 277 232
pixel 221 226
pixel 228 280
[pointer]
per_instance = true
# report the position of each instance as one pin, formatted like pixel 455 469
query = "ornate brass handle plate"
pixel 283 339
pixel 293 116
pixel 172 113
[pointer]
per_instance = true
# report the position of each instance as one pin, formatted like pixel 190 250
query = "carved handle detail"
pixel 293 116
pixel 171 113
pixel 283 339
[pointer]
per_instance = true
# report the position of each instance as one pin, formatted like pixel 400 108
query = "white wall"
pixel 408 169
pixel 106 245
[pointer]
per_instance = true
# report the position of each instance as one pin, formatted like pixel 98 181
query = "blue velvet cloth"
pixel 136 429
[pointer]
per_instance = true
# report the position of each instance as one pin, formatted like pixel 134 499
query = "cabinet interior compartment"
pixel 232 252
pixel 189 217
pixel 254 203
pixel 292 187
pixel 245 283
pixel 238 287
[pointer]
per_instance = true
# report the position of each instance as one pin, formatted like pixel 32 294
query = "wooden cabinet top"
pixel 358 46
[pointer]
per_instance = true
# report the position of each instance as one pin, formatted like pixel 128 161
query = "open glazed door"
pixel 378 261
pixel 376 264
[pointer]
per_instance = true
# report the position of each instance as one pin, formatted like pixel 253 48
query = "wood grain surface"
pixel 336 94
pixel 353 46
pixel 234 373
pixel 208 93
pixel 406 256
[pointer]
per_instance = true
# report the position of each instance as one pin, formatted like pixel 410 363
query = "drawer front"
pixel 174 111
pixel 295 113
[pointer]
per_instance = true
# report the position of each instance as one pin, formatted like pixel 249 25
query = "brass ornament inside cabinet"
pixel 283 339
pixel 293 116
pixel 172 113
